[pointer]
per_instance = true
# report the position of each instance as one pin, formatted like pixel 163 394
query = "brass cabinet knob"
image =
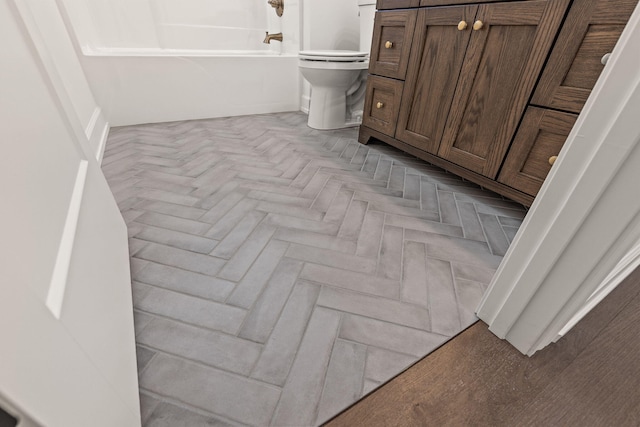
pixel 477 25
pixel 462 25
pixel 552 160
pixel 388 45
pixel 379 105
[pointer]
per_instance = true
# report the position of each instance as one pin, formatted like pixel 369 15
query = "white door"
pixel 67 351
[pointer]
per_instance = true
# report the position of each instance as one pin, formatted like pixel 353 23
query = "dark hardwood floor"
pixel 591 377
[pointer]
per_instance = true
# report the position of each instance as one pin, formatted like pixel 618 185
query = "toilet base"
pixel 327 109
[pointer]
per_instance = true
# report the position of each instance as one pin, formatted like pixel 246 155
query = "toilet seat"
pixel 333 55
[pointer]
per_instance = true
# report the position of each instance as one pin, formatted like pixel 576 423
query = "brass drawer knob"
pixel 462 26
pixel 478 25
pixel 552 160
pixel 388 45
pixel 379 105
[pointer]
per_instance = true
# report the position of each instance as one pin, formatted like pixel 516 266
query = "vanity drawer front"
pixel 382 104
pixel 392 34
pixel 535 148
pixel 590 32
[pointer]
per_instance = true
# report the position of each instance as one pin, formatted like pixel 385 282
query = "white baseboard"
pixel 97 132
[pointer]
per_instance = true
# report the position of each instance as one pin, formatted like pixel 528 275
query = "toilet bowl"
pixel 338 77
pixel 333 75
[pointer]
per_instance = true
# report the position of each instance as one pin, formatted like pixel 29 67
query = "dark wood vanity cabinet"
pixel 396 4
pixel 391 44
pixel 535 148
pixel 590 32
pixel 472 69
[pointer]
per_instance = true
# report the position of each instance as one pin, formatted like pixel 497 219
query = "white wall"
pixel 114 23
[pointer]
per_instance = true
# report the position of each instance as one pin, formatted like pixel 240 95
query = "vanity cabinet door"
pixel 396 4
pixel 591 31
pixel 439 46
pixel 391 43
pixel 535 148
pixel 509 44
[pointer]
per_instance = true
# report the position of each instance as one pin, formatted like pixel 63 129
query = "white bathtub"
pixel 155 61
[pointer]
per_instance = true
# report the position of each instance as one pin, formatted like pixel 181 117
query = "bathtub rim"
pixel 163 53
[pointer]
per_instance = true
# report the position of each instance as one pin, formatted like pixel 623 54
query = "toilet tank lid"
pixel 366 2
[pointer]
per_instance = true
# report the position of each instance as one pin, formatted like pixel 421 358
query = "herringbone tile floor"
pixel 281 273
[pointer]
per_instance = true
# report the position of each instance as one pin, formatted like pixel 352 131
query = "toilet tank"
pixel 367 15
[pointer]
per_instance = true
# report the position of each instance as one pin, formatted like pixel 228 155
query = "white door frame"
pixel 585 220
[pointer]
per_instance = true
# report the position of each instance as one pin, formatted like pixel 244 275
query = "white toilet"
pixel 338 77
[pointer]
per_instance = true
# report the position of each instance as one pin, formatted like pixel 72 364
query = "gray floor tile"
pixel 185 241
pixel 195 311
pixel 468 294
pixel 140 320
pixel 414 274
pixel 473 272
pixel 249 289
pixel 331 258
pixel 383 171
pixel 166 196
pixel 390 262
pixel 282 346
pixel 383 364
pixel 388 207
pixel 247 253
pixel 169 415
pixel 338 209
pixel 496 238
pixel 186 260
pixel 263 227
pixel 143 357
pixel 264 315
pixel 351 280
pixel 442 298
pixel 221 208
pixel 202 345
pixel 375 307
pixel 147 405
pixel 448 208
pixel 317 240
pixel 428 195
pixel 470 222
pixel 389 336
pixel 184 281
pixel 352 223
pixel 173 223
pixel 370 235
pixel 229 395
pixel 412 187
pixel 344 378
pixel 238 235
pixel 286 221
pixel 231 219
pixel 301 394
pixel 423 225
